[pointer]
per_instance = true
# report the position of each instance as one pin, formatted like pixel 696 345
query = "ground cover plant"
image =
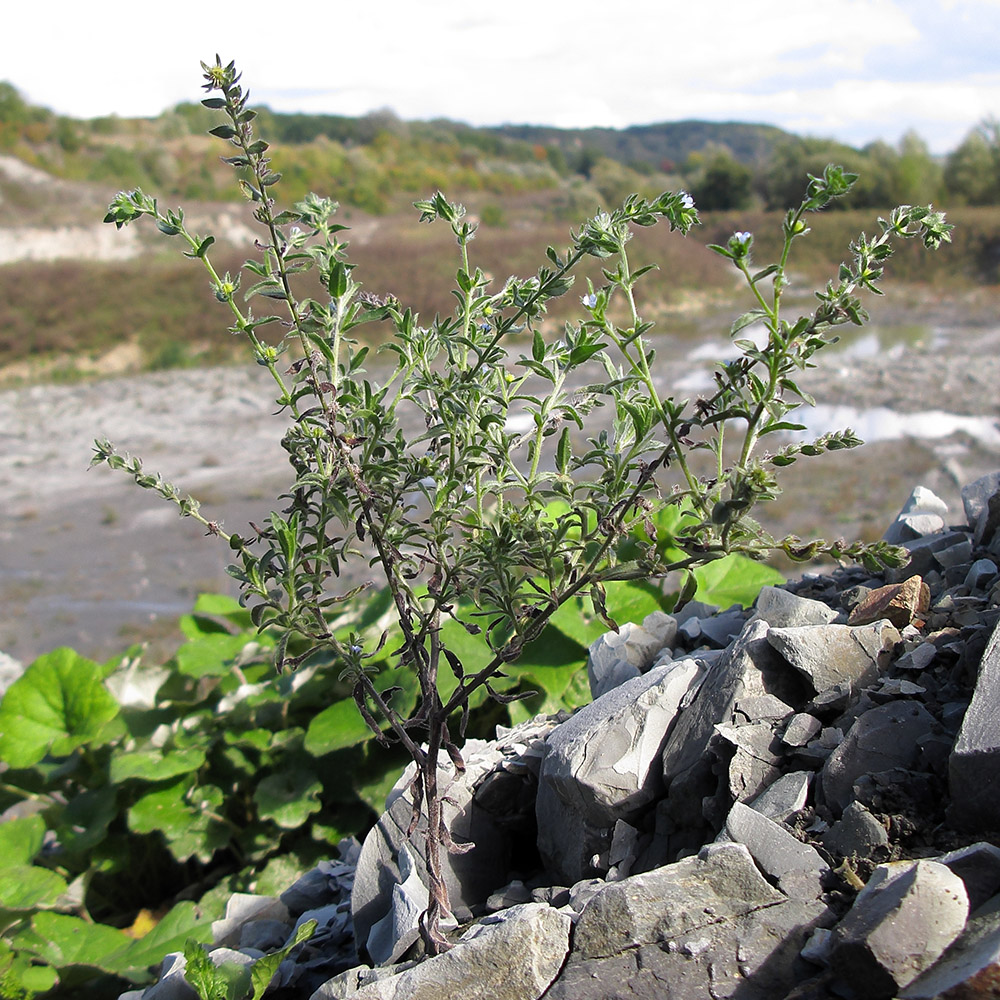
pixel 514 493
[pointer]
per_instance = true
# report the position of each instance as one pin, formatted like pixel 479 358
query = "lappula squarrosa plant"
pixel 511 498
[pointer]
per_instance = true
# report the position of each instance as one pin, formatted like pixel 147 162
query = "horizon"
pixel 855 71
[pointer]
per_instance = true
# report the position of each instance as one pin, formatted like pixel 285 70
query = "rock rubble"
pixel 795 801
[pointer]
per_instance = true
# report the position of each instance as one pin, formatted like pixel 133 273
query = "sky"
pixel 853 70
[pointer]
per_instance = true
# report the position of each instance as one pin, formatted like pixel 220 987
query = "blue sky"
pixel 856 70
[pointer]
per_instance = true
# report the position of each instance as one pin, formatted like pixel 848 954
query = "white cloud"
pixel 852 68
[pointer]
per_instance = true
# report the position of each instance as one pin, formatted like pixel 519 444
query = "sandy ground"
pixel 89 560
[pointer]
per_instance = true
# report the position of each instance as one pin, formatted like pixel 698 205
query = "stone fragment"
pixel 974 766
pixel 985 530
pixel 900 923
pixel 900 603
pixel 856 834
pixel 782 609
pixel 831 655
pixel 391 936
pixel 776 851
pixel 719 630
pixel 976 496
pixel 918 658
pixel 264 935
pixel 511 955
pixel 510 895
pixel 243 908
pixel 801 728
pixel 621 854
pixel 924 553
pixel 748 669
pixel 493 822
pixel 978 866
pixel 981 574
pixel 753 761
pixel 881 738
pixel 721 883
pixel 707 926
pixel 619 656
pixel 602 765
pixel 968 970
pixel 783 797
pixel 759 708
pixel 922 514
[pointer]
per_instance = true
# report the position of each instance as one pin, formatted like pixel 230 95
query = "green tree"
pixel 918 177
pixel 972 171
pixel 722 183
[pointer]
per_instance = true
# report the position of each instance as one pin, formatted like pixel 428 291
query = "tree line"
pixel 726 166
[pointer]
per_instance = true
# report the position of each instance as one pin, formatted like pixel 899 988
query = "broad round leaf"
pixel 28 887
pixel 288 798
pixel 57 705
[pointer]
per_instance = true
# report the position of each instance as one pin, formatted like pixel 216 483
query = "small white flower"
pixel 589 300
pixel 743 237
pixel 686 200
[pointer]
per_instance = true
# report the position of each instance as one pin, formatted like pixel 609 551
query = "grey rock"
pixel 881 738
pixel 978 866
pixel 481 805
pixel 783 797
pixel 985 531
pixel 976 496
pixel 602 765
pixel 751 667
pixel 830 655
pixel 719 630
pixel 918 658
pixel 391 936
pixel 924 554
pixel 264 935
pixel 760 707
pixel 512 955
pixel 242 908
pixel 957 554
pixel 695 609
pixel 171 984
pixel 720 884
pixel 856 834
pixel 329 882
pixel 776 851
pixel 981 573
pixel 753 762
pixel 619 656
pixel 704 927
pixel 974 766
pixel 922 514
pixel 510 895
pixel 900 923
pixel 783 609
pixel 968 970
pixel 801 728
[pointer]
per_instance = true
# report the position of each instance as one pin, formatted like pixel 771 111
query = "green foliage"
pixel 229 981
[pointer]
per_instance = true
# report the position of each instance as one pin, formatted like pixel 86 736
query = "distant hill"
pixel 662 146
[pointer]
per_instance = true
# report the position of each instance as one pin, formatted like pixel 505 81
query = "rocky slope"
pixel 797 801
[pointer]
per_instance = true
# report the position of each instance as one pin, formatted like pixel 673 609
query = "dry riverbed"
pixel 89 560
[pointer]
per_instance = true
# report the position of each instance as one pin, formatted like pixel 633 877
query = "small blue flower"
pixel 589 300
pixel 739 243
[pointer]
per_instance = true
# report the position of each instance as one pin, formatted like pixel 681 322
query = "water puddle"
pixel 879 423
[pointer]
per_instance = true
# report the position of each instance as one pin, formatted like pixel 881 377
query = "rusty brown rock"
pixel 902 603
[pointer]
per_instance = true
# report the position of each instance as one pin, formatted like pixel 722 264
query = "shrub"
pixel 507 508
